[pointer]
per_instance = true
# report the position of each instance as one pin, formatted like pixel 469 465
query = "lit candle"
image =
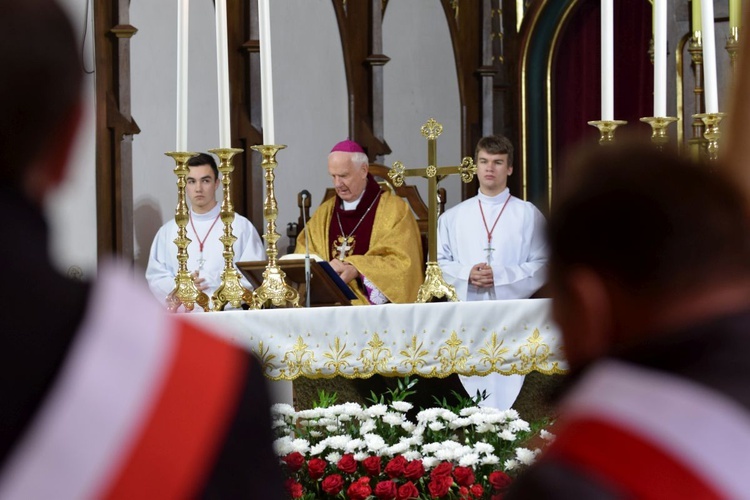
pixel 709 57
pixel 735 13
pixel 696 15
pixel 608 61
pixel 266 73
pixel 182 73
pixel 660 58
pixel 222 63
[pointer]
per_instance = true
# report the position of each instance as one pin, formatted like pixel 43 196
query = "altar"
pixel 431 340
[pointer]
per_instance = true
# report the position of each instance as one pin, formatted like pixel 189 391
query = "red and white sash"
pixel 139 410
pixel 656 435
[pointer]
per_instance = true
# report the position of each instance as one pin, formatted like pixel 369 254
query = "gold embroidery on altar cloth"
pixel 299 360
pixel 337 355
pixel 376 356
pixel 453 355
pixel 534 353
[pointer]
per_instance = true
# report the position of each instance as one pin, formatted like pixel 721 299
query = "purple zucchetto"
pixel 348 146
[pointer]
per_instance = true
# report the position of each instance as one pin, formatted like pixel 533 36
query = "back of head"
pixel 42 80
pixel 657 225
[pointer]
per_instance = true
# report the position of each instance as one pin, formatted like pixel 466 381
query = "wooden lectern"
pixel 327 288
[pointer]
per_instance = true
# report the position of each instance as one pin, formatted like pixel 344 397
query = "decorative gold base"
pixel 435 287
pixel 659 126
pixel 185 293
pixel 274 291
pixel 712 133
pixel 607 129
pixel 230 291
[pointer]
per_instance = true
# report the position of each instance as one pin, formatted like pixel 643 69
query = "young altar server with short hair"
pixel 492 247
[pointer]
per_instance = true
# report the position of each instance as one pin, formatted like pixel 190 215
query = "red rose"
pixel 499 479
pixel 294 461
pixel 464 476
pixel 360 490
pixel 347 464
pixel 443 469
pixel 372 465
pixel 476 491
pixel 386 490
pixel 395 467
pixel 407 491
pixel 414 471
pixel 333 484
pixel 293 488
pixel 463 493
pixel 316 468
pixel 439 486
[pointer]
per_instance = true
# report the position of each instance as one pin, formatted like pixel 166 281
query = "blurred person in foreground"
pixel 98 401
pixel 650 275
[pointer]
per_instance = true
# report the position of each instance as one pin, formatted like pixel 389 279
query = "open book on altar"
pixel 326 286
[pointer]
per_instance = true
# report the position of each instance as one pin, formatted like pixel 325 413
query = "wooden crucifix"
pixel 434 286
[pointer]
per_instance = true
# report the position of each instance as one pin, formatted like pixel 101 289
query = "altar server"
pixel 104 395
pixel 492 247
pixel 205 252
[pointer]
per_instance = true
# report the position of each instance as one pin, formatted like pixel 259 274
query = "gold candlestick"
pixel 712 133
pixel 659 126
pixel 274 291
pixel 607 129
pixel 185 293
pixel 230 291
pixel 696 142
pixel 733 44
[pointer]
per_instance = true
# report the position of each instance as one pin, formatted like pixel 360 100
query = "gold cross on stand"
pixel 434 286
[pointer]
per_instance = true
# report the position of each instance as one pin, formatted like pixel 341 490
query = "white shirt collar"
pixel 208 216
pixel 351 205
pixel 494 200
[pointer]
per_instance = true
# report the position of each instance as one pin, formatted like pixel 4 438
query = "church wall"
pixel 71 211
pixel 420 83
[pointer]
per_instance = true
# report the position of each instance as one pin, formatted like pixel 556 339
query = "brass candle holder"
pixel 733 44
pixel 274 291
pixel 230 291
pixel 185 293
pixel 607 129
pixel 712 133
pixel 697 141
pixel 659 126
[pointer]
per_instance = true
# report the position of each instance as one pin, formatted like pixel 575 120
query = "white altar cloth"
pixel 432 340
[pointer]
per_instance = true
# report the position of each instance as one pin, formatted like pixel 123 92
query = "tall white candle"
pixel 266 72
pixel 709 57
pixel 660 58
pixel 182 73
pixel 608 60
pixel 222 71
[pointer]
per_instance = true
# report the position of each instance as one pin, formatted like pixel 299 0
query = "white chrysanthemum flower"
pixel 318 449
pixel 282 409
pixel 374 442
pixel 333 457
pixel 354 445
pixel 460 422
pixel 519 425
pixel 402 406
pixel 412 455
pixel 511 414
pixel 353 409
pixel 469 460
pixel 393 419
pixel 283 446
pixel 526 456
pixel 486 427
pixel 437 426
pixel 510 464
pixel 398 448
pixel 338 442
pixel 416 439
pixel 377 410
pixel 300 445
pixel 332 428
pixel 428 415
pixel 465 412
pixel 309 414
pixel 431 447
pixel 430 462
pixel 444 454
pixel 367 426
pixel 361 455
pixel 408 426
pixel 278 423
pixel 547 436
pixel 490 460
pixel 447 415
pixel 507 435
pixel 482 447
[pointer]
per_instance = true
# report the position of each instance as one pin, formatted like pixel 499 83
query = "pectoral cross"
pixel 434 285
pixel 489 250
pixel 201 261
pixel 343 248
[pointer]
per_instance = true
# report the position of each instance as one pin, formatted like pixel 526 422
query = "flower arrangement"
pixel 353 452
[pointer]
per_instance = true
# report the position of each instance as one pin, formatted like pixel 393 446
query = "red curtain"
pixel 577 74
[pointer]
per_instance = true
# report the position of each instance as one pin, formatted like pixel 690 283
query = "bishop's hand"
pixel 200 283
pixel 481 276
pixel 345 270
